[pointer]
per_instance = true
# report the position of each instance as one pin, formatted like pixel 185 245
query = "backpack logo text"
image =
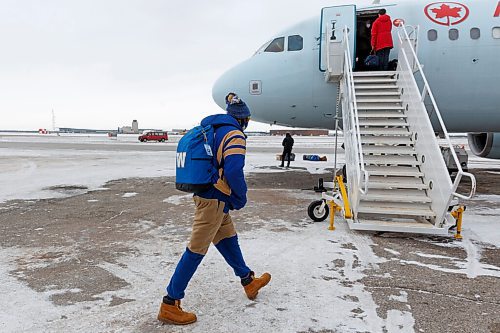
pixel 181 159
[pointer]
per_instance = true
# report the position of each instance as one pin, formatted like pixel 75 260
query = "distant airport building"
pixel 134 129
pixel 305 132
pixel 82 130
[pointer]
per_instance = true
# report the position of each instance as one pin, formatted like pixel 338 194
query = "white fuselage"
pixel 464 73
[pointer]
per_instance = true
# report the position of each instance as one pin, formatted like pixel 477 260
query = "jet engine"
pixel 485 144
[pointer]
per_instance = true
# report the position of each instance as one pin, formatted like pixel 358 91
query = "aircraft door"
pixel 333 21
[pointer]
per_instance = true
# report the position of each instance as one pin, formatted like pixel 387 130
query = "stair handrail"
pixel 354 113
pixel 426 91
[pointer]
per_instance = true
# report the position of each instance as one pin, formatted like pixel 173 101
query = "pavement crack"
pixel 115 216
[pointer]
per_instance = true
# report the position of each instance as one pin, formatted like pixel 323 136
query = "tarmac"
pixel 67 243
pixel 97 260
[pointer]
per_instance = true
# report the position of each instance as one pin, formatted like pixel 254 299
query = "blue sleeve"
pixel 235 177
pixel 234 150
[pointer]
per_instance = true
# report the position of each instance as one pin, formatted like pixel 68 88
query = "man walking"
pixel 382 38
pixel 287 149
pixel 212 222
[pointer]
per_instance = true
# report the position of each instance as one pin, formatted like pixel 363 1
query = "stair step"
pixel 374 73
pixel 362 80
pixel 377 93
pixel 380 182
pixel 397 195
pixel 377 149
pixel 385 131
pixel 380 114
pixel 386 140
pixel 402 171
pixel 376 106
pixel 415 225
pixel 360 99
pixel 391 160
pixel 383 122
pixel 375 86
pixel 396 208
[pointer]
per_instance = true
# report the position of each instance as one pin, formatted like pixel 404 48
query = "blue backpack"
pixel 195 160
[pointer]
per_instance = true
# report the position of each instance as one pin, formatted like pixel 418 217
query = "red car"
pixel 153 136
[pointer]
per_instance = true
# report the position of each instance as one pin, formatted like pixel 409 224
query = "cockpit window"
pixel 295 43
pixel 277 45
pixel 261 49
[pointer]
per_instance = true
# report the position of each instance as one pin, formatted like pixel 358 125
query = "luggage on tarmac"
pixel 292 157
pixel 314 158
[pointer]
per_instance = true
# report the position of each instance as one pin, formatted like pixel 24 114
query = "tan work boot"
pixel 173 314
pixel 252 289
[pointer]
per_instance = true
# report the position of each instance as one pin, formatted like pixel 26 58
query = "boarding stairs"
pixel 396 176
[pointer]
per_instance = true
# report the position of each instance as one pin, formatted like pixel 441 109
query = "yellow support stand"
pixel 336 208
pixel 333 208
pixel 458 214
pixel 345 199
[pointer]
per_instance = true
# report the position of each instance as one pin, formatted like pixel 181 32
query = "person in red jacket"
pixel 382 38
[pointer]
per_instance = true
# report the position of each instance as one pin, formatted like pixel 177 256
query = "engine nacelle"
pixel 485 144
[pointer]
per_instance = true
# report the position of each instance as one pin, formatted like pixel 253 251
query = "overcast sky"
pixel 101 64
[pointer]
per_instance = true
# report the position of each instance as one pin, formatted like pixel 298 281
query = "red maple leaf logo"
pixel 447 11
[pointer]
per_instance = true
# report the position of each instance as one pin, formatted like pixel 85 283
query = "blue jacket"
pixel 230 146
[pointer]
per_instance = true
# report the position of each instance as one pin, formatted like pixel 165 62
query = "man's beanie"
pixel 236 107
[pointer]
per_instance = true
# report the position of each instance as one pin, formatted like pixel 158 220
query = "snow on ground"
pixel 347 306
pixel 178 199
pixel 33 174
pixel 30 173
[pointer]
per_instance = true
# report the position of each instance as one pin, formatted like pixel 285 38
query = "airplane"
pixel 458 45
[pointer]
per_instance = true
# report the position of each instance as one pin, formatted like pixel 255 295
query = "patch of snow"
pixel 17 300
pixel 177 199
pixel 472 267
pixel 92 200
pixel 400 322
pixel 481 227
pixel 391 251
pixel 403 297
pixel 129 195
pixel 434 256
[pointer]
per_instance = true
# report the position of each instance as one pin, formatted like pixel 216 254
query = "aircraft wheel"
pixel 315 213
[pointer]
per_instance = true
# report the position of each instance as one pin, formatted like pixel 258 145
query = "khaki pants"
pixel 211 225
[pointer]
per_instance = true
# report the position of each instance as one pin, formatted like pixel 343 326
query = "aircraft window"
pixel 260 49
pixel 295 43
pixel 453 34
pixel 475 33
pixel 496 32
pixel 432 35
pixel 277 45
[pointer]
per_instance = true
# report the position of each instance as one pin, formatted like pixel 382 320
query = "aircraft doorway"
pixel 364 23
